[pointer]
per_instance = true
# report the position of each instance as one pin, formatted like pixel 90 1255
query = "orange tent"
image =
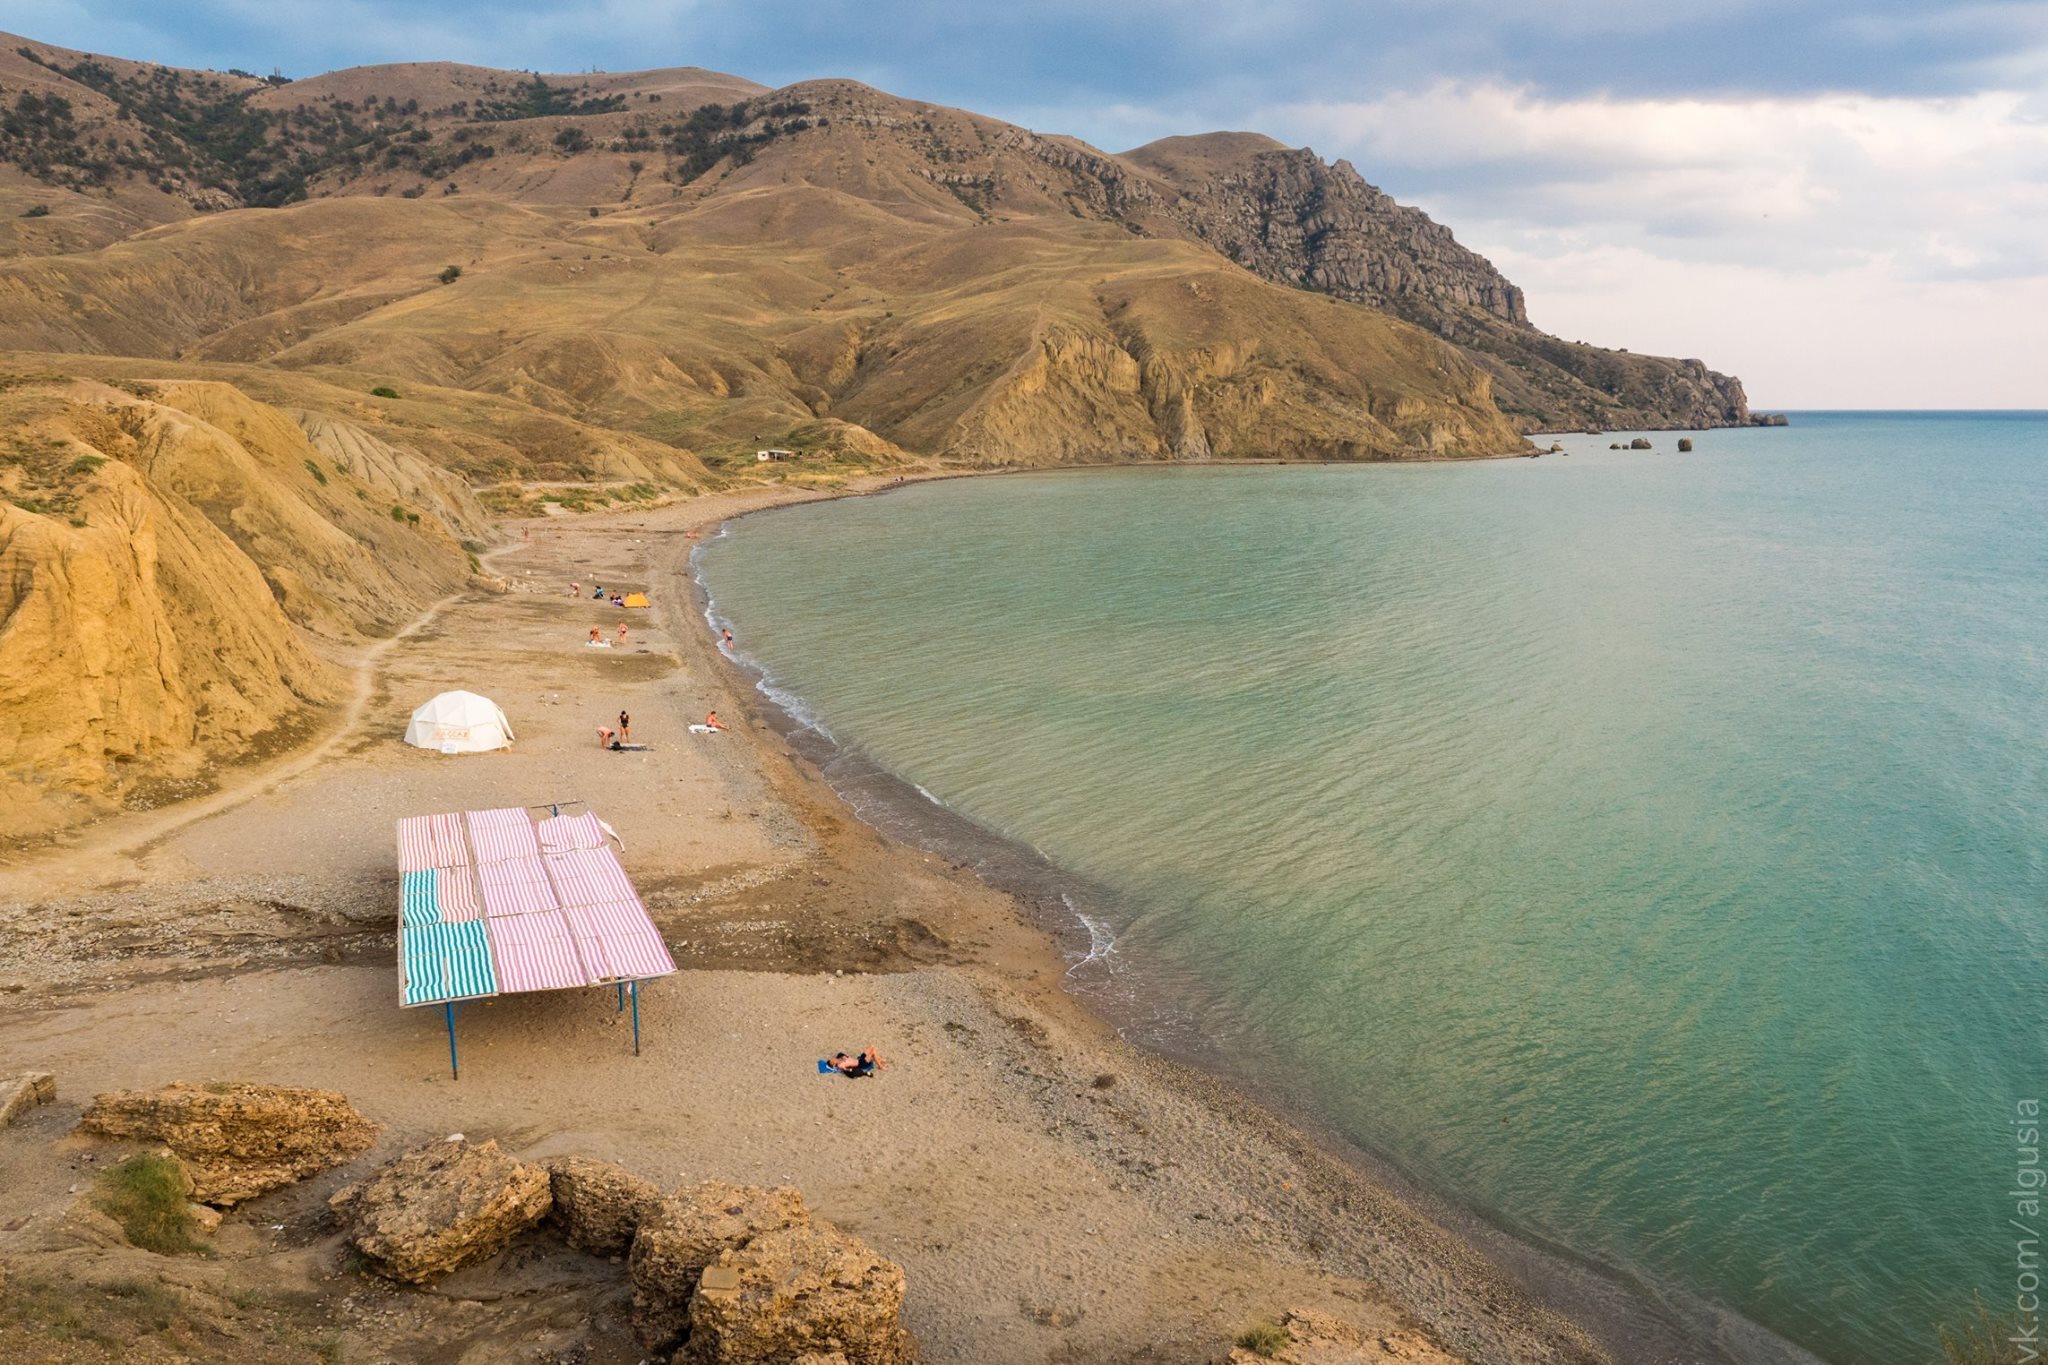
pixel 637 599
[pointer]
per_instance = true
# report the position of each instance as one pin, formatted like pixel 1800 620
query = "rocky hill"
pixel 271 351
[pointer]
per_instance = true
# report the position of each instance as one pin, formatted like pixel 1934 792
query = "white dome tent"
pixel 459 723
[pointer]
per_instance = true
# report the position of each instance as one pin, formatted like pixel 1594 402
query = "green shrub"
pixel 37 211
pixel 1986 1341
pixel 450 274
pixel 319 474
pixel 397 513
pixel 383 391
pixel 86 464
pixel 146 1196
pixel 1263 1338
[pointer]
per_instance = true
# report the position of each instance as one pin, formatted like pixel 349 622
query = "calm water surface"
pixel 1647 850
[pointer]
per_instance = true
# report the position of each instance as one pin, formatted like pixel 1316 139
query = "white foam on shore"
pixel 789 702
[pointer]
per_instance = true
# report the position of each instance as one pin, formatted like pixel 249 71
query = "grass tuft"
pixel 1986 1341
pixel 1263 1338
pixel 146 1196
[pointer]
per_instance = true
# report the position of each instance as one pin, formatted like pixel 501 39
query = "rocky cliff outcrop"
pixel 166 553
pixel 1286 215
pixel 237 1141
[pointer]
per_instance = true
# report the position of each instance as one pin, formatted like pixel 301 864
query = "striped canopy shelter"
pixel 496 902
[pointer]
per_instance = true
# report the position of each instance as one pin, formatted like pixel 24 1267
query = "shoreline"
pixel 1053 1160
pixel 1628 1318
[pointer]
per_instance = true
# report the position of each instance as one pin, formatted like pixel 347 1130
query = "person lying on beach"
pixel 867 1064
pixel 595 631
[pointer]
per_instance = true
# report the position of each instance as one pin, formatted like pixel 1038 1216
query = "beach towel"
pixel 704 729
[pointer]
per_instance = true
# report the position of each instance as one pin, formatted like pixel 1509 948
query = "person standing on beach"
pixel 575 589
pixel 728 638
pixel 625 727
pixel 622 632
pixel 604 737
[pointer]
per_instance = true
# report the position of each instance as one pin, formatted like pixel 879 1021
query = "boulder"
pixel 689 1230
pixel 1640 443
pixel 1684 443
pixel 441 1207
pixel 24 1093
pixel 805 1289
pixel 1614 445
pixel 238 1140
pixel 1320 1339
pixel 598 1206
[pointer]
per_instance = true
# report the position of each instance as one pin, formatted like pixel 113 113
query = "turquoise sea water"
pixel 1649 851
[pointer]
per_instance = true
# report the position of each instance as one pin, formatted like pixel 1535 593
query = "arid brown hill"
pixel 139 145
pixel 270 349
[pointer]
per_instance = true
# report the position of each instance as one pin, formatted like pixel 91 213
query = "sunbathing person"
pixel 867 1064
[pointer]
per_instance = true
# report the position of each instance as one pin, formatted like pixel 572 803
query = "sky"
pixel 1844 203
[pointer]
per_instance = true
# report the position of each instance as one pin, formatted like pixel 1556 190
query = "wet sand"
pixel 1053 1193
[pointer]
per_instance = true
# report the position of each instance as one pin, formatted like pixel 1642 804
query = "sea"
pixel 1643 853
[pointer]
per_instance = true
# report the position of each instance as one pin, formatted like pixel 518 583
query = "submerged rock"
pixel 1685 443
pixel 441 1207
pixel 1640 443
pixel 239 1141
pixel 690 1230
pixel 599 1206
pixel 797 1291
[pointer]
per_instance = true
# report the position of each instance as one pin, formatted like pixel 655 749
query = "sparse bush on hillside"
pixel 571 140
pixel 397 512
pixel 537 99
pixel 319 474
pixel 37 211
pixel 1263 1339
pixel 383 391
pixel 450 274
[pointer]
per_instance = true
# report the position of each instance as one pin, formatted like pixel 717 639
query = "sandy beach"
pixel 1053 1193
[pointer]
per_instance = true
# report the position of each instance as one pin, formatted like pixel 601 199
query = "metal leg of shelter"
pixel 636 1019
pixel 622 997
pixel 454 1065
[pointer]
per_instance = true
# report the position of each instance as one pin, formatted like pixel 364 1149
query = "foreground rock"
pixel 441 1207
pixel 599 1206
pixel 690 1230
pixel 238 1141
pixel 1319 1339
pixel 24 1093
pixel 808 1290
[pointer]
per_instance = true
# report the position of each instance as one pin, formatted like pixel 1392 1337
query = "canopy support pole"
pixel 622 997
pixel 454 1065
pixel 636 1018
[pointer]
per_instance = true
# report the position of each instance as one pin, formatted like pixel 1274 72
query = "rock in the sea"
pixel 441 1207
pixel 599 1206
pixel 24 1093
pixel 795 1291
pixel 1319 1339
pixel 689 1230
pixel 239 1141
pixel 1614 445
pixel 1640 443
pixel 1684 443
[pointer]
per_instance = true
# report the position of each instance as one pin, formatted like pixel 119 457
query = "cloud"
pixel 1933 187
